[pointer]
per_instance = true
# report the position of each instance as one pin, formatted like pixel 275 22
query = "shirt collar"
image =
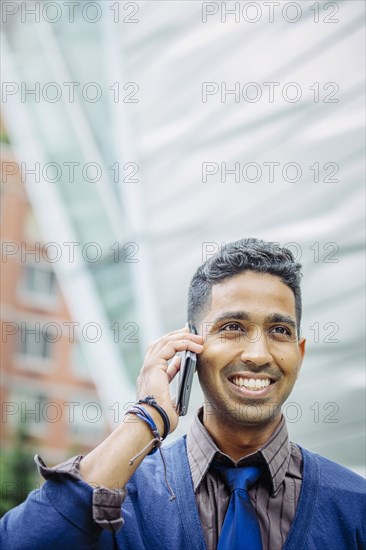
pixel 201 449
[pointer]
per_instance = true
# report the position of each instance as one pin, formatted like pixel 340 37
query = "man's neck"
pixel 238 441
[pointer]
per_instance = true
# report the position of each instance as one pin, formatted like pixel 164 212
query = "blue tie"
pixel 240 530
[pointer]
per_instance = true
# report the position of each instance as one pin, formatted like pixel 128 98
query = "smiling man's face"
pixel 252 355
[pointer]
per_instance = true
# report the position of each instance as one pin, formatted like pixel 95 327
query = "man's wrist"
pixel 156 417
pixel 150 400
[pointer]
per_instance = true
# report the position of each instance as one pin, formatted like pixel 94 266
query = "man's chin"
pixel 244 415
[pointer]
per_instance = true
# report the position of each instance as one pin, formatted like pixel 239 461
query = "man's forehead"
pixel 252 292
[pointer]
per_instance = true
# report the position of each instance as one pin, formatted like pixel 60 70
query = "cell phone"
pixel 187 369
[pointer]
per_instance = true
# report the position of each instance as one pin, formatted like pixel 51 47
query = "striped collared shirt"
pixel 274 496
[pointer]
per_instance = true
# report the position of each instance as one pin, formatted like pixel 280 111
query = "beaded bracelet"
pixel 149 400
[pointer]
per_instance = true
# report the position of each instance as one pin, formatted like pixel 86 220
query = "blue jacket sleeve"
pixel 55 517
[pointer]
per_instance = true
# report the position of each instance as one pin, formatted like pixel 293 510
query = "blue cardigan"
pixel 330 514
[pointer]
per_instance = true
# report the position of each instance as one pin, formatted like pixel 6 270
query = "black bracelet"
pixel 149 400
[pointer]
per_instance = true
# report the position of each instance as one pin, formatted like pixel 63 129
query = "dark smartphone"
pixel 187 368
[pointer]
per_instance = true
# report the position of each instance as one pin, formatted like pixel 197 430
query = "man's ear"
pixel 301 345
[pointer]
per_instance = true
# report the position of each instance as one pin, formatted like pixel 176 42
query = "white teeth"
pixel 251 383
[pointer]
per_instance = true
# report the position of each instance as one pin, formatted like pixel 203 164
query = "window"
pixel 38 285
pixel 29 412
pixel 39 279
pixel 35 343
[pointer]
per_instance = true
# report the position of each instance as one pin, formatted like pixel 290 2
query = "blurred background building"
pixel 146 135
pixel 49 402
pixel 43 366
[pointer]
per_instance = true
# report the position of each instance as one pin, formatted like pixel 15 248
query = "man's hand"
pixel 155 375
pixel 109 464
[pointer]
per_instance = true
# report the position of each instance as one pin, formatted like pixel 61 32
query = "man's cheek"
pixel 204 370
pixel 203 361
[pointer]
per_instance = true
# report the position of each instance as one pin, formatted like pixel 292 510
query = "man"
pixel 245 303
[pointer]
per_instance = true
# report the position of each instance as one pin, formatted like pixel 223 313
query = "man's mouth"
pixel 250 383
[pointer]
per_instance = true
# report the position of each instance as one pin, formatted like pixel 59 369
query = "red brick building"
pixel 46 390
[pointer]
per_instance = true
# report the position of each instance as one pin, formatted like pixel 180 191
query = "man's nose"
pixel 255 349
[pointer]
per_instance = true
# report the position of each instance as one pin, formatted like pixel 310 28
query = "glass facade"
pixel 161 132
pixel 71 173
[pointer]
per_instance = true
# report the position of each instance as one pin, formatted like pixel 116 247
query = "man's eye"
pixel 231 327
pixel 280 330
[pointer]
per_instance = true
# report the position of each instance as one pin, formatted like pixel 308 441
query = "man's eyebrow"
pixel 238 315
pixel 280 318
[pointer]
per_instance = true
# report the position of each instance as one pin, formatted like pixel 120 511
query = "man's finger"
pixel 171 348
pixel 173 368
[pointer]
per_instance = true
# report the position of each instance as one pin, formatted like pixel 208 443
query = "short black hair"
pixel 238 257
